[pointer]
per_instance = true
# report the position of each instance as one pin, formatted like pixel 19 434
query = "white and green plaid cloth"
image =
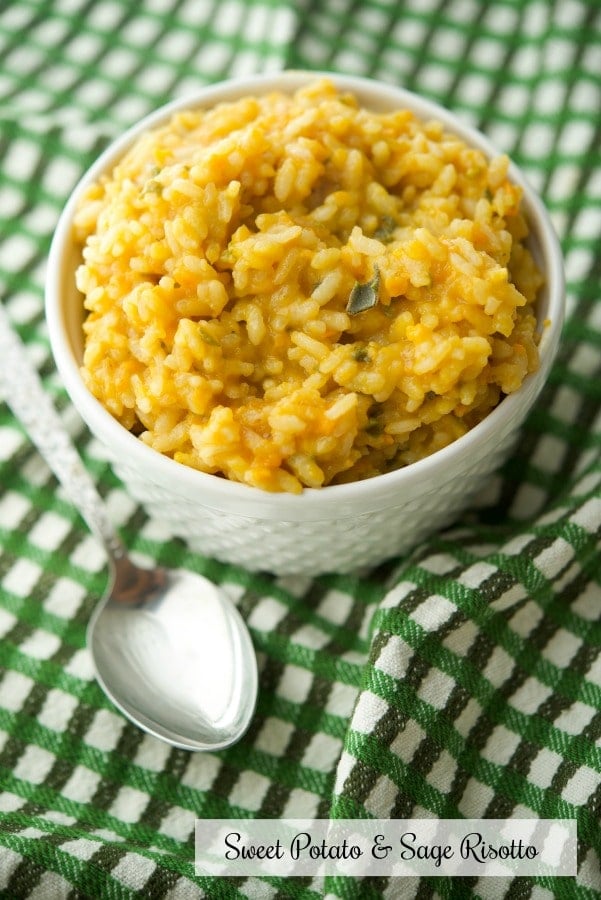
pixel 461 681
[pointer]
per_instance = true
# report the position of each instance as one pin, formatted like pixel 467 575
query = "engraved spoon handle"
pixel 25 395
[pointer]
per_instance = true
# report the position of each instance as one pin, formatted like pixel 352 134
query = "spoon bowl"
pixel 166 662
pixel 169 647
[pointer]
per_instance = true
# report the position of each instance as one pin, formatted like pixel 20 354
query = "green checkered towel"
pixel 463 680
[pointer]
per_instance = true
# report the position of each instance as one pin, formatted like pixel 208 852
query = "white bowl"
pixel 339 527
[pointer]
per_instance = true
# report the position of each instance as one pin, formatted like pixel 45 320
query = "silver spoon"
pixel 170 649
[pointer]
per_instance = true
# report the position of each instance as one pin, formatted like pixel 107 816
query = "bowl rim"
pixel 368 494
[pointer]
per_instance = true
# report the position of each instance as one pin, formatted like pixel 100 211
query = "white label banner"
pixel 386 847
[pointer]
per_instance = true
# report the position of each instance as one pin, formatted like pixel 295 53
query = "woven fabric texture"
pixel 463 680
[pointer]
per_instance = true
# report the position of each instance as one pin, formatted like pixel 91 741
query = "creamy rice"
pixel 291 291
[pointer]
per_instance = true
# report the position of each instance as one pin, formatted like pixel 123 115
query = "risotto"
pixel 292 291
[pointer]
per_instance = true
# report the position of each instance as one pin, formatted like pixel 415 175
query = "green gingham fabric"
pixel 463 680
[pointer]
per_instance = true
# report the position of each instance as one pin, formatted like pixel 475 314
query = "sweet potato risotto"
pixel 293 291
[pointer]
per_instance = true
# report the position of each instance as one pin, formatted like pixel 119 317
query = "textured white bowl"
pixel 340 527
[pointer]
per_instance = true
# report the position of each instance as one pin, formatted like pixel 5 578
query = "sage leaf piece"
pixel 364 296
pixel 207 337
pixel 385 230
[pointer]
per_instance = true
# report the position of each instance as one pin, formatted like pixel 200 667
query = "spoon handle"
pixel 25 395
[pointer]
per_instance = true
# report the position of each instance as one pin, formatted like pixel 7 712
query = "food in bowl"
pixel 291 290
